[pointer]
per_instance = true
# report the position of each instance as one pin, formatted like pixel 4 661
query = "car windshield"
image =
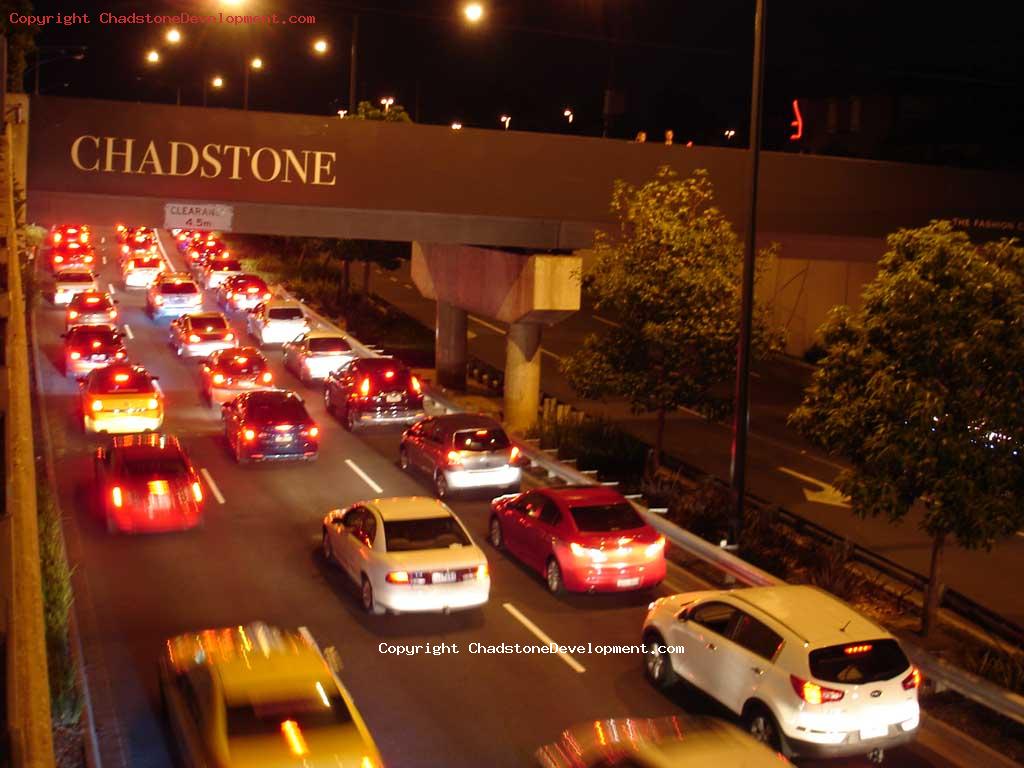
pixel 242 363
pixel 74 277
pixel 208 324
pixel 264 718
pixel 285 313
pixel 481 440
pixel 151 463
pixel 276 410
pixel 425 533
pixel 328 346
pixel 857 663
pixel 120 381
pixel 603 518
pixel 178 288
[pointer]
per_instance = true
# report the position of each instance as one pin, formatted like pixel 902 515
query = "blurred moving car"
pixel 380 390
pixel 200 334
pixel 629 742
pixel 806 673
pixel 173 293
pixel 270 424
pixel 71 254
pixel 407 555
pixel 141 271
pixel 90 308
pixel 580 538
pixel 87 347
pixel 313 356
pixel 218 270
pixel 62 234
pixel 228 372
pixel 202 252
pixel 133 239
pixel 71 280
pixel 121 398
pixel 277 321
pixel 146 483
pixel 243 292
pixel 261 697
pixel 460 451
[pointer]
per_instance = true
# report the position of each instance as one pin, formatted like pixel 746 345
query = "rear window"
pixel 481 440
pixel 178 288
pixel 226 265
pixel 328 345
pixel 83 335
pixel 153 464
pixel 74 277
pixel 207 324
pixel 277 410
pixel 308 713
pixel 242 364
pixel 285 313
pixel 606 517
pixel 90 303
pixel 150 262
pixel 426 533
pixel 120 381
pixel 856 663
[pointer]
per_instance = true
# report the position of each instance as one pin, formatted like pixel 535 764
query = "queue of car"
pixel 804 673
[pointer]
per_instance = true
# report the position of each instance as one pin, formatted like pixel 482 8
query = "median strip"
pixel 369 480
pixel 213 486
pixel 539 634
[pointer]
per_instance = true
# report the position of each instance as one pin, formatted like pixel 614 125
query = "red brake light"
pixel 117 497
pixel 57 237
pixel 397 577
pixel 197 492
pixel 249 434
pixel 416 386
pixel 513 454
pixel 389 374
pixel 158 299
pixel 293 735
pixel 72 314
pixel 266 296
pixel 855 650
pixel 121 378
pixel 125 249
pixel 364 387
pixel 58 259
pixel 120 354
pixel 656 548
pixel 454 457
pixel 75 355
pixel 194 338
pixel 813 693
pixel 314 431
pixel 218 378
pixel 913 680
pixel 267 377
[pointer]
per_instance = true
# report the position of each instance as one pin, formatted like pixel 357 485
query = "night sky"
pixel 681 64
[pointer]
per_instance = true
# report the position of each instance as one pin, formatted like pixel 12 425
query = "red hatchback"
pixel 580 538
pixel 146 484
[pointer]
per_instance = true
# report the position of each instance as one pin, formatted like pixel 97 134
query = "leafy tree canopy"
pixel 368 111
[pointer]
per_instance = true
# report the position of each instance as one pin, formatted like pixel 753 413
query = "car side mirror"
pixel 333 659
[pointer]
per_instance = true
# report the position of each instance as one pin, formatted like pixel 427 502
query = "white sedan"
pixel 277 321
pixel 408 554
pixel 68 282
pixel 317 354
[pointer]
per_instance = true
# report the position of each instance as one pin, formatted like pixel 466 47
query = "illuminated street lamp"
pixel 320 46
pixel 506 120
pixel 387 101
pixel 342 112
pixel 730 133
pixel 568 115
pixel 474 12
pixel 216 82
pixel 256 65
pixel 456 126
pixel 173 36
pixel 153 57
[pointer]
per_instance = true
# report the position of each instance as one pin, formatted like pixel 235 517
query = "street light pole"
pixel 245 87
pixel 353 59
pixel 742 405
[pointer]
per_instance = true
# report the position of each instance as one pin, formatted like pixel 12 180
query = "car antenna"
pixel 843 628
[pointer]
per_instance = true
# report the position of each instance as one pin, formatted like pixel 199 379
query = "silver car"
pixel 314 356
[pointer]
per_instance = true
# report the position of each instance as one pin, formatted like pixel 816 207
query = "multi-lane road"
pixel 257 558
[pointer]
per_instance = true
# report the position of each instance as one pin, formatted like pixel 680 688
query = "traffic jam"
pixel 792 672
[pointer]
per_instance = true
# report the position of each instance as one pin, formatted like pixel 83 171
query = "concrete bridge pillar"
pixel 450 346
pixel 522 376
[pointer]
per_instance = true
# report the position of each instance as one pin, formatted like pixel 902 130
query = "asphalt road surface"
pixel 782 467
pixel 257 558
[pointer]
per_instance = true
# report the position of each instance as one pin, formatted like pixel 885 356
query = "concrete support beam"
pixel 522 376
pixel 450 346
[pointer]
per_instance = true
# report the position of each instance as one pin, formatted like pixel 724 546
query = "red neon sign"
pixel 798 123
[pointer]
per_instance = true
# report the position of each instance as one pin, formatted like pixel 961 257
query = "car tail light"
pixel 229 295
pixel 97 405
pixel 87 259
pixel 112 313
pixel 193 338
pixel 454 458
pixel 120 354
pixel 655 549
pixel 415 384
pixel 856 650
pixel 595 555
pixel 249 434
pixel 313 431
pixel 364 387
pixel 197 492
pixel 84 237
pixel 72 314
pixel 125 249
pixel 58 259
pixel 513 455
pixel 194 254
pixel 397 577
pixel 267 377
pixel 482 571
pixel 813 693
pixel 158 299
pixel 367 762
pixel 158 487
pixel 225 254
pixel 75 355
pixel 117 497
pixel 293 735
pixel 266 296
pixel 97 344
pixel 913 680
pixel 218 378
pixel 57 237
pixel 153 404
pixel 229 336
pixel 389 375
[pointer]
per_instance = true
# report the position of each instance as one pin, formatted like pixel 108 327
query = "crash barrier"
pixel 29 733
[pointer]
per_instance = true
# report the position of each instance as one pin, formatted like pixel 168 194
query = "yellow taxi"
pixel 121 399
pixel 261 697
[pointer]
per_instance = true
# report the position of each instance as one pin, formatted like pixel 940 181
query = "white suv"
pixel 805 672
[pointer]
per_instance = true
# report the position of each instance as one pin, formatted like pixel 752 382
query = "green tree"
pixel 368 111
pixel 670 271
pixel 20 42
pixel 921 391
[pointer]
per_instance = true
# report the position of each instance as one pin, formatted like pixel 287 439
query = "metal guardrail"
pixel 941 675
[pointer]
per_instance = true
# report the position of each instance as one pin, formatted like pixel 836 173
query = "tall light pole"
pixel 353 60
pixel 65 53
pixel 742 405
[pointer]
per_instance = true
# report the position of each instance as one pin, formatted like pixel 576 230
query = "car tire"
pixel 367 599
pixel 349 422
pixel 326 545
pixel 328 400
pixel 553 577
pixel 658 663
pixel 441 489
pixel 240 457
pixel 495 535
pixel 760 723
pixel 403 459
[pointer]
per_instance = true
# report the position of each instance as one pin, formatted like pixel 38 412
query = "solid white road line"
pixel 128 331
pixel 113 290
pixel 163 252
pixel 369 480
pixel 485 324
pixel 213 486
pixel 103 259
pixel 539 634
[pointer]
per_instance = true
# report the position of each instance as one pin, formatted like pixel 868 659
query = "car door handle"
pixel 757 670
pixel 711 647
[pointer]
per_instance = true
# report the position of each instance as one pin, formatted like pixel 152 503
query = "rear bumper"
pixel 139 522
pixel 298 450
pixel 432 598
pixel 807 741
pixel 500 477
pixel 123 424
pixel 388 416
pixel 165 310
pixel 612 578
pixel 103 319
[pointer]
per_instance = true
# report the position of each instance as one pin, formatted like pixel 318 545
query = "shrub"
pixel 814 353
pixel 596 444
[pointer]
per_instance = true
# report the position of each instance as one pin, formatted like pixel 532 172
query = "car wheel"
pixel 349 421
pixel 553 577
pixel 328 551
pixel 403 458
pixel 328 400
pixel 760 723
pixel 441 485
pixel 240 457
pixel 495 536
pixel 366 597
pixel 658 663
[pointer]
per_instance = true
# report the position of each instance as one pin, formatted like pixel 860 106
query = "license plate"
pixel 633 582
pixel 99 358
pixel 394 397
pixel 874 732
pixel 443 577
pixel 283 439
